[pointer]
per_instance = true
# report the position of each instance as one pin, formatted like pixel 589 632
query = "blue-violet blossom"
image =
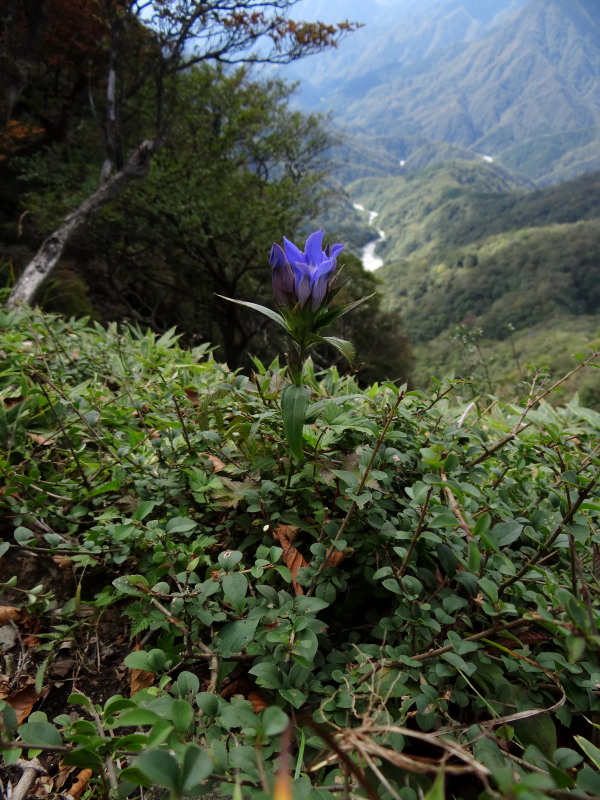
pixel 300 277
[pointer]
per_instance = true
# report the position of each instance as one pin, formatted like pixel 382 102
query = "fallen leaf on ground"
pixel 217 464
pixel 258 703
pixel 336 558
pixel 8 613
pixel 292 558
pixel 289 532
pixel 245 687
pixel 61 667
pixel 77 789
pixel 23 700
pixel 140 679
pixel 46 439
pixel 63 775
pixel 241 685
pixel 8 637
pixel 62 562
pixel 10 402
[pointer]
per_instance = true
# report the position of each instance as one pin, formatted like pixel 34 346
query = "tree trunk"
pixel 44 261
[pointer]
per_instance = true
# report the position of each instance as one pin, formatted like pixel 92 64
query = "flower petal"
pixel 336 249
pixel 282 277
pixel 313 249
pixel 319 290
pixel 292 252
pixel 325 268
pixel 302 273
pixel 320 282
pixel 277 257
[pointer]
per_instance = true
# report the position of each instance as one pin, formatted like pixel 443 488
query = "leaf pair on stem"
pixel 304 285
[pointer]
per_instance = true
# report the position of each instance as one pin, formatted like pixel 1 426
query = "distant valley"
pixel 515 80
pixel 472 128
pixel 486 275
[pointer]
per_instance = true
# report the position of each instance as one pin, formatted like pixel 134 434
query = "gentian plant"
pixel 304 284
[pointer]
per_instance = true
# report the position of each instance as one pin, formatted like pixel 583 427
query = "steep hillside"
pixel 518 81
pixel 472 257
pixel 408 204
pixel 519 279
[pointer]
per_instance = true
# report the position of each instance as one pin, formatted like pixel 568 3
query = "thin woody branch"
pixel 136 166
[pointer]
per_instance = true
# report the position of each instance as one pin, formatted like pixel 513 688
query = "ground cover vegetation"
pixel 409 609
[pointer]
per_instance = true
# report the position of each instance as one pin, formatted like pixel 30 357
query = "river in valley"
pixel 370 261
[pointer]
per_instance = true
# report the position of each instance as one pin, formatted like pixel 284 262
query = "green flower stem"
pixel 296 356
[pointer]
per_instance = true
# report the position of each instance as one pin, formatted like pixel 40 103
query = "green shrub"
pixel 411 606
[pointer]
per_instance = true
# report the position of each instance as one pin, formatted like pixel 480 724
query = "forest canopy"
pixel 227 166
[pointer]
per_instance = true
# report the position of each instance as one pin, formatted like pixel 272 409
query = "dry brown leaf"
pixel 217 464
pixel 8 613
pixel 42 788
pixel 10 402
pixel 289 532
pixel 23 700
pixel 140 679
pixel 294 560
pixel 192 396
pixel 239 685
pixel 245 687
pixel 61 667
pixel 258 703
pixel 45 440
pixel 336 558
pixel 61 778
pixel 62 562
pixel 83 777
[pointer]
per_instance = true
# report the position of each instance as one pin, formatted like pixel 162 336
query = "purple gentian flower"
pixel 283 277
pixel 300 277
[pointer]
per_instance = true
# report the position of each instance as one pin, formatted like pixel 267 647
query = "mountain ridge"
pixel 494 77
pixel 471 255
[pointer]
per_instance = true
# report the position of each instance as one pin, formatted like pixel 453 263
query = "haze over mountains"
pixel 472 128
pixel 514 80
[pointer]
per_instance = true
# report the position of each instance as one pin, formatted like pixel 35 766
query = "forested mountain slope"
pixel 471 255
pixel 517 81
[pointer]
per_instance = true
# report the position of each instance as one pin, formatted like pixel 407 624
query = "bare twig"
pixel 455 508
pixel 520 426
pixel 31 770
pixel 506 626
pixel 543 550
pixel 416 535
pixel 214 666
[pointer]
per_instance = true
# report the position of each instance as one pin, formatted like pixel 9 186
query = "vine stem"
pixel 521 425
pixel 506 626
pixel 361 486
pixel 416 535
pixel 455 508
pixel 572 510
